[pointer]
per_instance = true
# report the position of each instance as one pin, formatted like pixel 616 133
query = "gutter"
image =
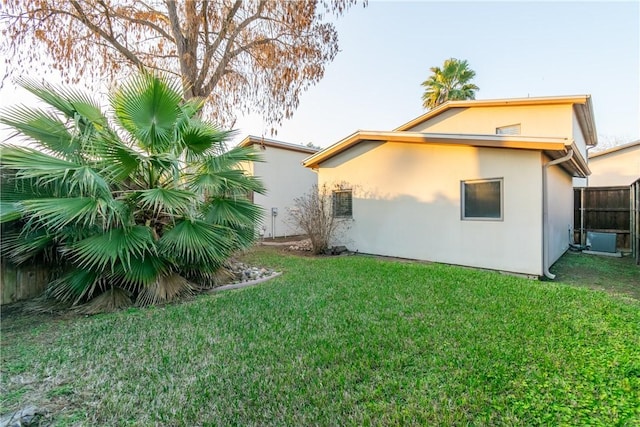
pixel 545 213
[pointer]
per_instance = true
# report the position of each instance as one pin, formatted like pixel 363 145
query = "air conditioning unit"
pixel 601 242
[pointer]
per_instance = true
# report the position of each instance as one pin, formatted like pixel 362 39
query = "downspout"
pixel 545 213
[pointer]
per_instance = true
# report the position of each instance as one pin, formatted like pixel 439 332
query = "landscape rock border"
pixel 246 284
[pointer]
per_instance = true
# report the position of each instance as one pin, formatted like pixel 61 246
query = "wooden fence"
pixel 635 220
pixel 20 283
pixel 603 209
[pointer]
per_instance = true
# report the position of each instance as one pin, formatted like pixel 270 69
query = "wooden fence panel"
pixel 603 209
pixel 635 220
pixel 20 283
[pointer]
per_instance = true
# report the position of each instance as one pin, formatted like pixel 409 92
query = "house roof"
pixel 615 149
pixel 581 105
pixel 266 142
pixel 553 147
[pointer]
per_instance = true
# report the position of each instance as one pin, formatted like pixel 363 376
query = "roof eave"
pixel 489 141
pixel 614 149
pixel 585 116
pixel 252 140
pixel 547 100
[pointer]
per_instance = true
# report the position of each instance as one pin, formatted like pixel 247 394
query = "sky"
pixel 517 49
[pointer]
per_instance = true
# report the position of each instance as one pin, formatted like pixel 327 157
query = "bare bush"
pixel 313 214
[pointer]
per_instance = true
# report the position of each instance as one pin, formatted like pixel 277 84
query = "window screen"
pixel 482 199
pixel 342 204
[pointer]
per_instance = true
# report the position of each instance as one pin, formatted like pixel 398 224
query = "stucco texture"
pixel 406 203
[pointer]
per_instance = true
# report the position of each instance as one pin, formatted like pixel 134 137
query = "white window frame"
pixel 463 194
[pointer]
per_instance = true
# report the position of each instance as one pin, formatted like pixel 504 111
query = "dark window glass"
pixel 482 199
pixel 342 204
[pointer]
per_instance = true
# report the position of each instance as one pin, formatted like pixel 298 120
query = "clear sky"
pixel 517 49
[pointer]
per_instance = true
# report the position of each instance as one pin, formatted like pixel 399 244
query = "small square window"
pixel 482 199
pixel 342 204
pixel 508 130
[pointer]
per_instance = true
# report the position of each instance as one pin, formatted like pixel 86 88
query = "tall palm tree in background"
pixel 144 203
pixel 451 82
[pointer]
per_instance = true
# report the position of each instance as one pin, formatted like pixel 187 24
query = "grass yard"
pixel 340 341
pixel 614 275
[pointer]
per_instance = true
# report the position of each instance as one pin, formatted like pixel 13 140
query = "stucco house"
pixel 481 183
pixel 617 166
pixel 285 179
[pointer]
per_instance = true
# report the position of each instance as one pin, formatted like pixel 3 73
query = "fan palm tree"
pixel 144 201
pixel 451 82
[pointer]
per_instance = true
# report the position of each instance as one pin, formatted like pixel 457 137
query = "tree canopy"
pixel 451 82
pixel 254 55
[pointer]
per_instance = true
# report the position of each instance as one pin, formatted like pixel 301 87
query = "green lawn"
pixel 614 275
pixel 341 341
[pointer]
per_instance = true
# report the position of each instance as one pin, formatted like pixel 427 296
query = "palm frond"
pixel 47 93
pixel 196 242
pixel 451 82
pixel 167 200
pixel 111 300
pixel 223 173
pixel 140 272
pixel 68 101
pixel 116 161
pixel 163 168
pixel 232 212
pixel 148 107
pixel 20 246
pixel 166 288
pixel 237 155
pixel 76 285
pixel 57 213
pixel 226 182
pixel 43 128
pixel 239 214
pixel 9 211
pixel 199 139
pixel 89 182
pixel 83 111
pixel 119 245
pixel 30 163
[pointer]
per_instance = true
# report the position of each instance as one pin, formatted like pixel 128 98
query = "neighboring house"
pixel 285 179
pixel 481 183
pixel 615 167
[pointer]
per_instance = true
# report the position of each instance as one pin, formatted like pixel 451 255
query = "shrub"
pixel 313 213
pixel 146 199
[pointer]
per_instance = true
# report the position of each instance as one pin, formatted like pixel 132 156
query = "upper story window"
pixel 508 130
pixel 342 204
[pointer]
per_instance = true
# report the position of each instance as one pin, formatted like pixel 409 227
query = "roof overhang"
pixel 581 104
pixel 266 142
pixel 615 149
pixel 553 147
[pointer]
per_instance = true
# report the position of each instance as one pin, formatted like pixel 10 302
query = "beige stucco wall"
pixel 286 179
pixel 616 168
pixel 560 213
pixel 578 137
pixel 544 120
pixel 406 203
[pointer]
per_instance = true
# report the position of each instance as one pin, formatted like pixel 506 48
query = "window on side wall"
pixel 342 204
pixel 482 199
pixel 508 130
